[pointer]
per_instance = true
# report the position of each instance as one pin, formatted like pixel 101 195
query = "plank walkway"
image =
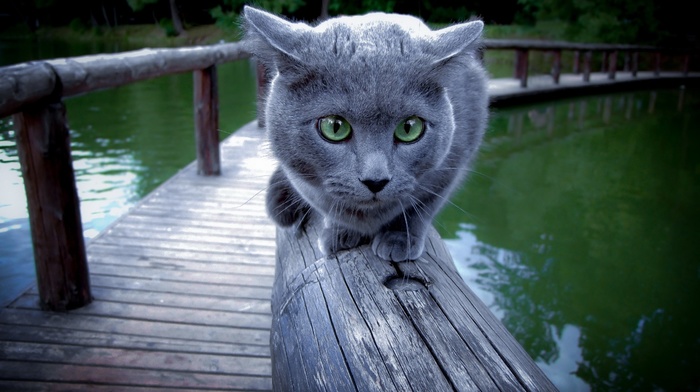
pixel 182 286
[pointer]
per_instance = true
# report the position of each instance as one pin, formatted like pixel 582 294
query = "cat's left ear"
pixel 455 40
pixel 286 37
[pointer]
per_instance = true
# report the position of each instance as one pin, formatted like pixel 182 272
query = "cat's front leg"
pixel 335 238
pixel 284 205
pixel 396 244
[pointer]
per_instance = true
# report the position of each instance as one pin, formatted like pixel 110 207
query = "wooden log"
pixel 604 62
pixel 521 66
pixel 206 119
pixel 28 82
pixel 24 83
pixel 587 58
pixel 556 66
pixel 657 63
pixel 612 65
pixel 353 322
pixel 43 146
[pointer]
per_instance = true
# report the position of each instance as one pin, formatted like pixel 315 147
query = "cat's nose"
pixel 375 186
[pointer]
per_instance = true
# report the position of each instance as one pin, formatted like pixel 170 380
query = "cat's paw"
pixel 396 246
pixel 334 239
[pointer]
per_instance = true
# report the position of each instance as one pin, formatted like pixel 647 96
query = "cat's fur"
pixel 375 71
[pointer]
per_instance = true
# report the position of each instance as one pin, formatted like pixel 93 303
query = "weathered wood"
pixel 587 58
pixel 657 63
pixel 43 145
pixel 521 66
pixel 612 65
pixel 556 66
pixel 206 121
pixel 354 322
pixel 24 83
pixel 604 62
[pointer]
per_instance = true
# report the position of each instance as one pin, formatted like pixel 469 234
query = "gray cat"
pixel 374 120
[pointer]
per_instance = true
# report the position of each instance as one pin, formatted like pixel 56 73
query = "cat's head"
pixel 359 108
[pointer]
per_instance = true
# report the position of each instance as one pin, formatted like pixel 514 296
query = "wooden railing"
pixel 33 93
pixel 611 55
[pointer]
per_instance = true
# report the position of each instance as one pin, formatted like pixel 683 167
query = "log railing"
pixel 611 55
pixel 33 93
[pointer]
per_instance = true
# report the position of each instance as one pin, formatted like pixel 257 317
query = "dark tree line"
pixel 665 22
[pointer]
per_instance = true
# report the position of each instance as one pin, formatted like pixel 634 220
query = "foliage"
pixel 138 5
pixel 168 27
pixel 661 22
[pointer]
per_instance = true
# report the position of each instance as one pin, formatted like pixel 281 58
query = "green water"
pixel 578 227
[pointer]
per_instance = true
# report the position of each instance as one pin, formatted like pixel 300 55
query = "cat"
pixel 374 119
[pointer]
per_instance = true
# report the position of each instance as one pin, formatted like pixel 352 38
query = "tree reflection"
pixel 585 222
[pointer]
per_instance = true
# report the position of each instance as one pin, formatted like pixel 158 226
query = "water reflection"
pixel 582 236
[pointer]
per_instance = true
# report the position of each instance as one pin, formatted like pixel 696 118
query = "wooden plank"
pixel 135 359
pixel 193 246
pixel 157 285
pixel 43 147
pixel 190 255
pixel 161 313
pixel 39 386
pixel 138 261
pixel 38 334
pixel 120 326
pixel 184 238
pixel 123 378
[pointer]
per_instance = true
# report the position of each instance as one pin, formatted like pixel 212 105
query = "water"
pixel 580 230
pixel 578 227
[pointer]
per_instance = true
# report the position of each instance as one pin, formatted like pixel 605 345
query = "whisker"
pixel 447 200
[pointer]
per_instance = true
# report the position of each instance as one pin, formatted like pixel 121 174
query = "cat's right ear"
pixel 268 33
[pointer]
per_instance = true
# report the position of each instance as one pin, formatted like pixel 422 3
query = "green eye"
pixel 409 130
pixel 334 128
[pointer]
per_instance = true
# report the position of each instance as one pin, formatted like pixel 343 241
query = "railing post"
pixel 612 65
pixel 635 64
pixel 556 66
pixel 587 66
pixel 206 119
pixel 686 64
pixel 604 62
pixel 521 65
pixel 577 57
pixel 657 63
pixel 43 146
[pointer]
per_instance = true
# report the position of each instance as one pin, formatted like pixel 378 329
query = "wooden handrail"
pixel 522 47
pixel 33 92
pixel 29 82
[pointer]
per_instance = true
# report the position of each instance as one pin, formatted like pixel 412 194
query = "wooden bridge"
pixel 178 291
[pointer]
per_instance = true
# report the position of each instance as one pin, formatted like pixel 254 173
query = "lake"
pixel 578 226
